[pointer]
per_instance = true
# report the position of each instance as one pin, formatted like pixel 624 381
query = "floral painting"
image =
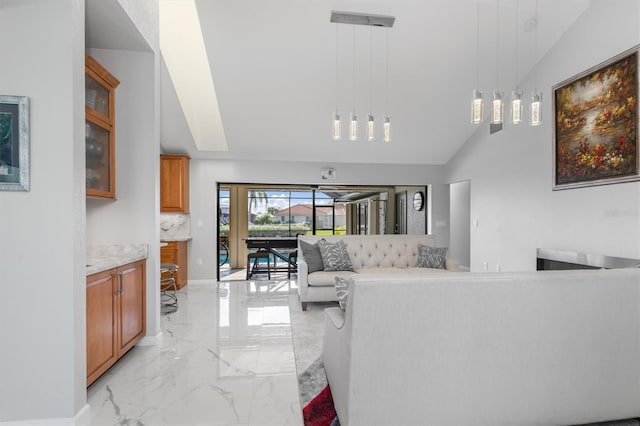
pixel 596 117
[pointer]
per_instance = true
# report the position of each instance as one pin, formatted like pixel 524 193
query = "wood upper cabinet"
pixel 116 315
pixel 174 184
pixel 100 88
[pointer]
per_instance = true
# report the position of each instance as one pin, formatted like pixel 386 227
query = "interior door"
pixel 401 213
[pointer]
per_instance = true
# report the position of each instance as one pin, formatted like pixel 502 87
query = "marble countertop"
pixel 105 257
pixel 175 239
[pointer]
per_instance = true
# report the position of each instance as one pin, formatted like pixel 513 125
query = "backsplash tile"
pixel 175 226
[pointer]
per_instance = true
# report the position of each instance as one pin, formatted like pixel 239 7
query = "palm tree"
pixel 257 197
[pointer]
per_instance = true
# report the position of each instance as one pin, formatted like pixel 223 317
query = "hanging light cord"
pixel 337 44
pixel 498 46
pixel 387 76
pixel 354 69
pixel 517 39
pixel 370 70
pixel 535 50
pixel 478 45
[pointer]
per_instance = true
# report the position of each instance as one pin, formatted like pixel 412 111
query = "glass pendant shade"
pixel 497 110
pixel 371 128
pixel 477 107
pixel 336 127
pixel 536 109
pixel 516 107
pixel 353 127
pixel 387 129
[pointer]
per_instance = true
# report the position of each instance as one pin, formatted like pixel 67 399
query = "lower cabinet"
pixel 176 252
pixel 116 315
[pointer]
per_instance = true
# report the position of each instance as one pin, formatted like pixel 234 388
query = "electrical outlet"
pixel 485 266
pixel 199 261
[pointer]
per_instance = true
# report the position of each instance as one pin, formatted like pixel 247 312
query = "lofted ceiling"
pixel 273 65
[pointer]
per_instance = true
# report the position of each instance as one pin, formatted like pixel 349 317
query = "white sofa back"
pixel 378 251
pixel 549 347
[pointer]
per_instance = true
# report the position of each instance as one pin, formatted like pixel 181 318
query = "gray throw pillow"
pixel 342 291
pixel 431 257
pixel 335 257
pixel 311 254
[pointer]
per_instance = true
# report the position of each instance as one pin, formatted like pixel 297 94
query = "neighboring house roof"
pixel 307 210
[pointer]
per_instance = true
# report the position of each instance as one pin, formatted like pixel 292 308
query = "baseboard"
pixel 83 418
pixel 151 340
pixel 202 282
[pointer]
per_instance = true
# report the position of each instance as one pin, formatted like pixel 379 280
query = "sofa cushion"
pixel 431 257
pixel 335 256
pixel 311 254
pixel 327 278
pixel 342 291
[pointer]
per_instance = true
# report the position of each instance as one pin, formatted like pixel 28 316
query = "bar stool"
pixel 168 288
pixel 256 268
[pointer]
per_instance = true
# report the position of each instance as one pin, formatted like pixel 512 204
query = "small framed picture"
pixel 14 143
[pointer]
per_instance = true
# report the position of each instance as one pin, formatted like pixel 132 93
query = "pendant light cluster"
pixel 497 104
pixel 372 21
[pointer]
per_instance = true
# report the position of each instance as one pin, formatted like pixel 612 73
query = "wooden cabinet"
pixel 116 315
pixel 174 184
pixel 100 88
pixel 176 252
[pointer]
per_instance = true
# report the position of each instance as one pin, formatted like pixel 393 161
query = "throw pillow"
pixel 311 254
pixel 431 257
pixel 342 291
pixel 335 256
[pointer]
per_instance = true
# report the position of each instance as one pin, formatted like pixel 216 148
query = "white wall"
pixel 511 171
pixel 459 209
pixel 42 251
pixel 206 173
pixel 134 216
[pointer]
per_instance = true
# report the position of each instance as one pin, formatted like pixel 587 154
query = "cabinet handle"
pixel 119 290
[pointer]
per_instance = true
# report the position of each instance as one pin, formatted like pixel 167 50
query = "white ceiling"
pixel 273 65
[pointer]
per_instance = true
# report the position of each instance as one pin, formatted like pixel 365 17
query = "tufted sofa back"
pixel 378 251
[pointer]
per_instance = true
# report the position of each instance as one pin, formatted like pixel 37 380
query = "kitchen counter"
pixel 104 257
pixel 163 240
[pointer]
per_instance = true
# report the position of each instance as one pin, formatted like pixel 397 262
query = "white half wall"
pixel 205 174
pixel 42 247
pixel 511 171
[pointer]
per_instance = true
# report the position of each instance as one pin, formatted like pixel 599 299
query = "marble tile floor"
pixel 226 359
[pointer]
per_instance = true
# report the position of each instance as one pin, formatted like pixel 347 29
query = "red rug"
pixel 320 410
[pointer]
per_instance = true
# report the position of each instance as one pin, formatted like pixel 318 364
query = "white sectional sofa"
pixel 383 254
pixel 543 348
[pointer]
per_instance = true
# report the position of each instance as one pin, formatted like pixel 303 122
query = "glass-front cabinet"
pixel 100 88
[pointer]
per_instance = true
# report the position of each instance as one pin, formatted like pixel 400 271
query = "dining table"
pixel 280 247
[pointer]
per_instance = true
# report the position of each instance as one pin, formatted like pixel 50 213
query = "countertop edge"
pixel 100 264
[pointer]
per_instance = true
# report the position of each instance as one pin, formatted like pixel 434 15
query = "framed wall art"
pixel 596 121
pixel 14 143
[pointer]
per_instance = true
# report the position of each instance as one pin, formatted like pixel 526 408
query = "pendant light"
pixel 477 104
pixel 353 126
pixel 497 105
pixel 536 97
pixel 336 127
pixel 386 125
pixel 371 128
pixel 516 95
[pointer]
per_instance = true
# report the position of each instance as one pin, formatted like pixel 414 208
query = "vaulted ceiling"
pixel 274 65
